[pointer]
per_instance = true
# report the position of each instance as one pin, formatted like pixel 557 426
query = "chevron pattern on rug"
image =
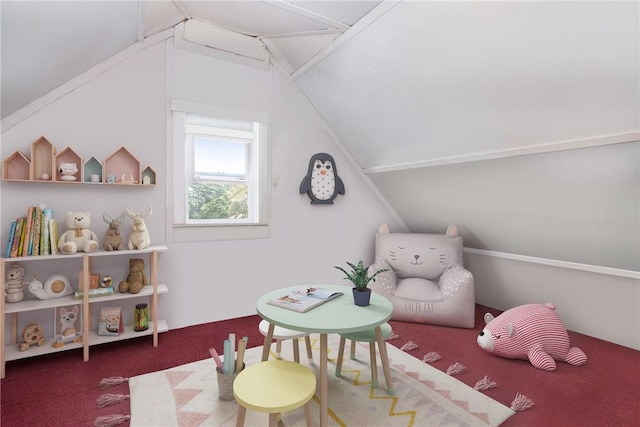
pixel 187 395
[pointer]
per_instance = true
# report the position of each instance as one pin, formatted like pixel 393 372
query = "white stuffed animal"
pixel 78 237
pixel 139 237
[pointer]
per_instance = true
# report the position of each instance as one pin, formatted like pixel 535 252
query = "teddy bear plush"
pixel 136 278
pixel 78 237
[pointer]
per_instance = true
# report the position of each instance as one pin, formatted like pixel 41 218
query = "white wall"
pixel 128 105
pixel 223 279
pixel 598 302
pixel 578 205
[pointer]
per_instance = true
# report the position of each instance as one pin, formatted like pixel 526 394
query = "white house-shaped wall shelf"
pixel 122 168
pixel 42 160
pixel 68 156
pixel 92 171
pixel 16 167
pixel 148 176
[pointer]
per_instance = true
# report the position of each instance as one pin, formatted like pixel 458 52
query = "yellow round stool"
pixel 274 386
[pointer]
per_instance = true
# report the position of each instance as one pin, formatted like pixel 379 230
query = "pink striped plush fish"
pixel 532 332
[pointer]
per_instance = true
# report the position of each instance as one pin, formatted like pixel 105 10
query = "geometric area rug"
pixel 187 395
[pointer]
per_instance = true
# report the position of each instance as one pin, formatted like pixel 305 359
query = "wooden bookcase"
pixel 11 351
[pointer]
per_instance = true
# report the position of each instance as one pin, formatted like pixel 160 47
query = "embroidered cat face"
pixel 419 255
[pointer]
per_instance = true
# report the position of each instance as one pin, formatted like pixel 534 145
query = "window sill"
pixel 202 233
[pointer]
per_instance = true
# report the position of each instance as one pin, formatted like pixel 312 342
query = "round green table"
pixel 339 315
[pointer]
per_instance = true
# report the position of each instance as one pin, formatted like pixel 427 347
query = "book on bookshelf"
pixel 110 322
pixel 304 299
pixel 17 236
pixel 37 231
pixel 53 234
pixel 23 234
pixel 47 215
pixel 12 232
pixel 28 236
pixel 98 292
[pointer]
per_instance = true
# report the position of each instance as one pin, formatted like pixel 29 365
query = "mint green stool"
pixel 370 337
pixel 274 386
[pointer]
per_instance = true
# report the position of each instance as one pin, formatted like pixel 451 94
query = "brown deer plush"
pixel 113 240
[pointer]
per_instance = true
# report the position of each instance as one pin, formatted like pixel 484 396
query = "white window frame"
pixel 182 230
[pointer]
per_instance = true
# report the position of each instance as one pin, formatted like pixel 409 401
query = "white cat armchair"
pixel 426 281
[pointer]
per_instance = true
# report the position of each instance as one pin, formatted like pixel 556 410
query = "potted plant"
pixel 360 278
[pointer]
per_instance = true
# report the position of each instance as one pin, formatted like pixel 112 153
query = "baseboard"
pixel 595 301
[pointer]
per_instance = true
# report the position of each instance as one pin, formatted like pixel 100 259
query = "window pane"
pixel 217 157
pixel 218 201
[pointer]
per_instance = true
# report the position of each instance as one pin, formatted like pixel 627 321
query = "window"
pixel 220 174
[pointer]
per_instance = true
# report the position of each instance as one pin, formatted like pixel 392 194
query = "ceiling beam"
pixel 308 14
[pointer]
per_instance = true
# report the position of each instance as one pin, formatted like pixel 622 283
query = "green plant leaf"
pixel 358 275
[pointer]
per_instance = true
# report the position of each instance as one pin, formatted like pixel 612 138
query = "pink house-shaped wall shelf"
pixel 122 167
pixel 16 167
pixel 68 156
pixel 42 157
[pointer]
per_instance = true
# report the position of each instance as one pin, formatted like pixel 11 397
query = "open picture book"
pixel 305 299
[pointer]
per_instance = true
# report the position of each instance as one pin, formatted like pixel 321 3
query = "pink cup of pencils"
pixel 229 366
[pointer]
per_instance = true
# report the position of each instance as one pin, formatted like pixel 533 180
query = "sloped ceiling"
pixel 441 81
pixel 435 81
pixel 46 43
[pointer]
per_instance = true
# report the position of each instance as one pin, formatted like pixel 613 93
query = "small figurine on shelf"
pixel 139 238
pixel 128 179
pixel 32 334
pixel 68 332
pixel 113 240
pixel 68 171
pixel 106 281
pixel 78 237
pixel 14 288
pixel 56 286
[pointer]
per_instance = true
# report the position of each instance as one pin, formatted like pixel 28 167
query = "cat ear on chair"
pixel 426 281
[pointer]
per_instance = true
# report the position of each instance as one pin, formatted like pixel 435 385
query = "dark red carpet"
pixel 61 389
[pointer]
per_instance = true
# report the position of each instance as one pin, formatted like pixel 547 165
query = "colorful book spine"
pixel 47 215
pixel 37 231
pixel 53 233
pixel 12 232
pixel 23 237
pixel 15 246
pixel 28 237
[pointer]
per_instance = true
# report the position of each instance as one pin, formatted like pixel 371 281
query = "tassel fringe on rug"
pixel 414 375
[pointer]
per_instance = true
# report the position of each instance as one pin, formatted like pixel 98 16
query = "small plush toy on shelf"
pixel 113 240
pixel 78 237
pixel 136 278
pixel 139 237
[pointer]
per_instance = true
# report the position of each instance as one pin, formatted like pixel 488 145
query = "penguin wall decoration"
pixel 322 182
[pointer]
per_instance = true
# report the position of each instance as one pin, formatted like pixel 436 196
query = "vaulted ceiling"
pixel 46 43
pixel 442 80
